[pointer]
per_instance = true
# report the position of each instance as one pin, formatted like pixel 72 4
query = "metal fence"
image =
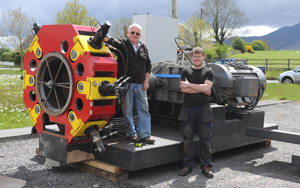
pixel 275 63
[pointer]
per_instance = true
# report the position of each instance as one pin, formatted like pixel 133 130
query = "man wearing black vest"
pixel 196 83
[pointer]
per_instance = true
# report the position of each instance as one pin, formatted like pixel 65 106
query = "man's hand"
pixel 145 85
pixel 105 39
pixel 184 84
pixel 207 91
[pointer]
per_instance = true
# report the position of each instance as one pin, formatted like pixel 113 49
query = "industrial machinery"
pixel 70 87
pixel 72 95
pixel 236 86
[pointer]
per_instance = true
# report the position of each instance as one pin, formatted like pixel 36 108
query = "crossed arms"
pixel 187 87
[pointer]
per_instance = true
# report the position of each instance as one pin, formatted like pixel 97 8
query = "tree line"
pixel 209 27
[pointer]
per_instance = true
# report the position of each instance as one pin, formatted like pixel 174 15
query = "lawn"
pixel 289 54
pixel 13 113
pixel 277 91
pixel 5 71
pixel 277 61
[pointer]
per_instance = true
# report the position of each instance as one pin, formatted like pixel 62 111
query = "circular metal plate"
pixel 54 88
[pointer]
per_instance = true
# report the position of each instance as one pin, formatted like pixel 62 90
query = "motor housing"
pixel 239 87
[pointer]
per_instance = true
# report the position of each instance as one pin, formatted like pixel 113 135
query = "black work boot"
pixel 148 140
pixel 134 139
pixel 206 170
pixel 185 171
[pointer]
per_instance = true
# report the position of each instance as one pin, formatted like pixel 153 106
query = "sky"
pixel 264 16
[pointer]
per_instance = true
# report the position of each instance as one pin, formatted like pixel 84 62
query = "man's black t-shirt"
pixel 196 76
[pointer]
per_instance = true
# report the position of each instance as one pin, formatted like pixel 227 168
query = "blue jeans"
pixel 188 129
pixel 137 97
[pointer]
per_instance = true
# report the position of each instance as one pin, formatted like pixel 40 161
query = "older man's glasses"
pixel 132 32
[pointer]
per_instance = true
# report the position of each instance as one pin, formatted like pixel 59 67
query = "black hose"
pixel 125 63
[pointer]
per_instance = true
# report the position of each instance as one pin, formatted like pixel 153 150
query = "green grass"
pixel 273 74
pixel 288 54
pixel 11 72
pixel 277 91
pixel 277 61
pixel 13 113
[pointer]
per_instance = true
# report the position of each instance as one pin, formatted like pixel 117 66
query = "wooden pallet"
pixel 98 168
pixel 266 143
pixel 102 169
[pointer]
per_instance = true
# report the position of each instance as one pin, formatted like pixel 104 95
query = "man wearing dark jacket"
pixel 138 67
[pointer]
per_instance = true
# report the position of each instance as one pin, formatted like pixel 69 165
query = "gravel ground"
pixel 249 166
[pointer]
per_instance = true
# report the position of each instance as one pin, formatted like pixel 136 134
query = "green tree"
pixel 4 50
pixel 224 16
pixel 221 50
pixel 120 26
pixel 11 57
pixel 16 27
pixel 73 13
pixel 238 44
pixel 210 54
pixel 218 51
pixel 197 30
pixel 260 45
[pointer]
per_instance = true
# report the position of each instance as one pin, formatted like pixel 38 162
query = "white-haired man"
pixel 138 67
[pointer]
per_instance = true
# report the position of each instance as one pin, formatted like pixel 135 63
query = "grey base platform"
pixel 227 133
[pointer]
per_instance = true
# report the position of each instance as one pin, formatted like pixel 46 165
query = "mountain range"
pixel 285 38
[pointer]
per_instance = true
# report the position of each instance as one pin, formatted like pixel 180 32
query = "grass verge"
pixel 11 72
pixel 13 113
pixel 277 91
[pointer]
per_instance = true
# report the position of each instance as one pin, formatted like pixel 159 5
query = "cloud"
pixel 271 13
pixel 255 31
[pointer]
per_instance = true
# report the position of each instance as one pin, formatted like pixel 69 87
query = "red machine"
pixel 63 70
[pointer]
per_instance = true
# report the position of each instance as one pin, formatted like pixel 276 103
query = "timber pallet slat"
pixel 101 169
pixel 103 166
pixel 98 168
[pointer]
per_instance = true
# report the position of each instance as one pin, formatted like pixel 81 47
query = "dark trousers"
pixel 188 129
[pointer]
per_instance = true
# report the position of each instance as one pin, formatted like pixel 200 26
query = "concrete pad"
pixel 7 182
pixel 13 134
pixel 271 102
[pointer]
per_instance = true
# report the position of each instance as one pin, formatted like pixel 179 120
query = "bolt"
pixel 72 117
pixel 50 84
pixel 37 109
pixel 80 87
pixel 74 54
pixel 31 80
pixel 38 52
